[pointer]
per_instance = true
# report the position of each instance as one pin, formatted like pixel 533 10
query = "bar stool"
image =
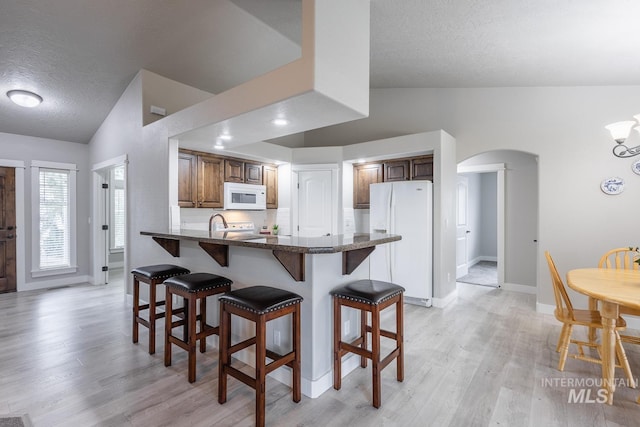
pixel 153 275
pixel 191 287
pixel 368 296
pixel 258 304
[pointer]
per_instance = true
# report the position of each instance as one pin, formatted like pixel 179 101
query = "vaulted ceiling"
pixel 81 55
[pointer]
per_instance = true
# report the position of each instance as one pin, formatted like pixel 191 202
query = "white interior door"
pixel 315 203
pixel 462 227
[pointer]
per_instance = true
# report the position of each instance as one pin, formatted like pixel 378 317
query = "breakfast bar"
pixel 308 266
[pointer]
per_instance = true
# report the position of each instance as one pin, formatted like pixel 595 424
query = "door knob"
pixel 468 231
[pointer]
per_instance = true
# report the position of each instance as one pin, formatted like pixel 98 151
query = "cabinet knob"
pixel 9 236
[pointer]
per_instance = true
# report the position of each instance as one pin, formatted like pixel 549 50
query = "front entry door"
pixel 7 230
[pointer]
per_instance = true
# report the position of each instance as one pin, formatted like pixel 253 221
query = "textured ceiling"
pixel 81 55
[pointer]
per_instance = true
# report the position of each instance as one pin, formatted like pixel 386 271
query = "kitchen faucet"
pixel 224 221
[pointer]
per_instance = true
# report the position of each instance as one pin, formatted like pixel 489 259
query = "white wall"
pixel 27 149
pixel 564 126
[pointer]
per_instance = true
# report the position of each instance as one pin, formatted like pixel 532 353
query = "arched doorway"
pixel 516 216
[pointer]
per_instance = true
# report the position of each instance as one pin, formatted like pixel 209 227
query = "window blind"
pixel 55 224
pixel 117 207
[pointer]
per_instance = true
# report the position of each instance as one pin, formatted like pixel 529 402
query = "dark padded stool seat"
pixel 261 299
pixel 368 296
pixel 153 275
pixel 191 287
pixel 368 291
pixel 197 282
pixel 258 304
pixel 160 271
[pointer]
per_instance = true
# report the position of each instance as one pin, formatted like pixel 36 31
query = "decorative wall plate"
pixel 613 185
pixel 635 166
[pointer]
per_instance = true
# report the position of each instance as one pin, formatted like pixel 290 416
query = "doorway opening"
pixel 514 176
pixel 109 219
pixel 477 228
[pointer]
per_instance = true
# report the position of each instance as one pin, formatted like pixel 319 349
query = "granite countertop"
pixel 308 245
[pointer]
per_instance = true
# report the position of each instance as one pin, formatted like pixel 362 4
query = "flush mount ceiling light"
pixel 24 98
pixel 225 137
pixel 620 132
pixel 280 121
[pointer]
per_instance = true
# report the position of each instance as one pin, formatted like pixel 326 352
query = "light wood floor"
pixel 66 359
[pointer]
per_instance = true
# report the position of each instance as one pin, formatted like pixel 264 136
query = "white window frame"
pixel 36 271
pixel 112 228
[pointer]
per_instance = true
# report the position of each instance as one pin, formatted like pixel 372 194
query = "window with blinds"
pixel 117 202
pixel 53 191
pixel 54 219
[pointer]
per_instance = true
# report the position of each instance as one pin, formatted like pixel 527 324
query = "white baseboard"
pixel 519 288
pixel 443 302
pixel 545 308
pixel 476 260
pixel 56 283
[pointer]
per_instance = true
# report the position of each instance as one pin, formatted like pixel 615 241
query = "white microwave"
pixel 245 196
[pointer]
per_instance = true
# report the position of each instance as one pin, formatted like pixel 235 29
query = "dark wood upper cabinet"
pixel 422 168
pixel 187 180
pixel 200 180
pixel 210 182
pixel 270 176
pixel 363 176
pixel 396 171
pixel 253 173
pixel 233 170
pixel 411 168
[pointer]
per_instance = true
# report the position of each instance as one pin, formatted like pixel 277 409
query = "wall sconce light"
pixel 620 132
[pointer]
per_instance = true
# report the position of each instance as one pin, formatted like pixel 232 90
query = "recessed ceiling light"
pixel 360 161
pixel 280 122
pixel 219 147
pixel 225 137
pixel 24 98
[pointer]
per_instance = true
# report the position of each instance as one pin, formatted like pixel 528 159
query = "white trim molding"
pixel 443 302
pixel 36 270
pixel 516 287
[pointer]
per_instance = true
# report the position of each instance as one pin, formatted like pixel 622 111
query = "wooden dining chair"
pixel 571 317
pixel 621 258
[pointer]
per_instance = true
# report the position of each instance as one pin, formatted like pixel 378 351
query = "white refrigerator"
pixel 404 208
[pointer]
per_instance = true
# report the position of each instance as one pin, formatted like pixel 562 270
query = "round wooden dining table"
pixel 613 287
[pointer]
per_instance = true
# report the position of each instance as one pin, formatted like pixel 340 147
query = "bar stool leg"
pixel 363 334
pixel 337 337
pixel 224 344
pixel 191 338
pixel 297 377
pixel 203 322
pixel 136 307
pixel 152 317
pixel 168 327
pixel 400 338
pixel 375 354
pixel 260 370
